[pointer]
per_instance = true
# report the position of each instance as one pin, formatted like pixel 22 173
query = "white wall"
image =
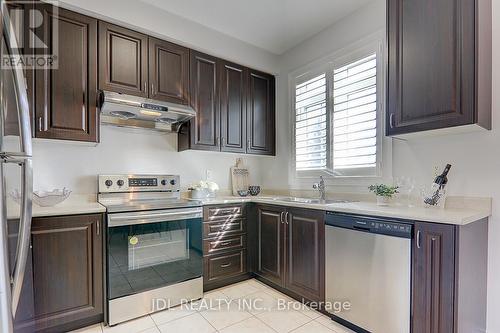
pixel 159 23
pixel 368 20
pixel 475 156
pixel 76 166
pixel 59 163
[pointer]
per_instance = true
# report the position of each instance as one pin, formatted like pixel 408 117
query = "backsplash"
pixel 122 150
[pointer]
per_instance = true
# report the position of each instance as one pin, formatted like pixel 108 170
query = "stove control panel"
pixel 138 183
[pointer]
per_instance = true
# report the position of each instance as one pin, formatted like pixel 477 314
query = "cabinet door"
pixel 67 271
pixel 431 64
pixel 433 278
pixel 123 60
pixel 233 87
pixel 168 71
pixel 261 130
pixel 66 102
pixel 305 241
pixel 25 314
pixel 204 81
pixel 270 243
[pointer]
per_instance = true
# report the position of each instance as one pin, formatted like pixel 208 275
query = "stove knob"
pixel 120 182
pixel 108 182
pixel 164 182
pixel 173 182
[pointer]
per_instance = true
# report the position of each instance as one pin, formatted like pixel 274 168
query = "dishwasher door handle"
pixel 355 227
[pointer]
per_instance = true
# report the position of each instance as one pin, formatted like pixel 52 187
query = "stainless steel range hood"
pixel 132 111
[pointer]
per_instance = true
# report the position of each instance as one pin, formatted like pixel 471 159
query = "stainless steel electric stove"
pixel 154 245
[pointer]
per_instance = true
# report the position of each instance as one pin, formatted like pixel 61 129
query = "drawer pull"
pixel 225 265
pixel 225 243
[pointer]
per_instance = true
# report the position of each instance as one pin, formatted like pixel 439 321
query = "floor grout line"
pixel 260 287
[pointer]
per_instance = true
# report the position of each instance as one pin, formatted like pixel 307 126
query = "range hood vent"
pixel 132 111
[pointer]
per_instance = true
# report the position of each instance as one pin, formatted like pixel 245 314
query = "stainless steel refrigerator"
pixel 15 172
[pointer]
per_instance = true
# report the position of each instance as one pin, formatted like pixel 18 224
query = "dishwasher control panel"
pixel 370 224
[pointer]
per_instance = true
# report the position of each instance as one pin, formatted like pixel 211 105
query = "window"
pixel 310 124
pixel 336 119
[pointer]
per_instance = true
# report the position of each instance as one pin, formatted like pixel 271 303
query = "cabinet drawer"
pixel 214 245
pixel 224 227
pixel 223 212
pixel 224 266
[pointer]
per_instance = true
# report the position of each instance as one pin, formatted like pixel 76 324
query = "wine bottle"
pixel 437 188
pixel 442 179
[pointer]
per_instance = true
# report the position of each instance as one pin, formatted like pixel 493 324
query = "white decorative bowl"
pixel 50 198
pixel 202 193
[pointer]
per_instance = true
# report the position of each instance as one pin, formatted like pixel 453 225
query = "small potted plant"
pixel 384 193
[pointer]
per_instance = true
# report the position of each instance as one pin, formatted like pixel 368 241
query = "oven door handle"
pixel 116 220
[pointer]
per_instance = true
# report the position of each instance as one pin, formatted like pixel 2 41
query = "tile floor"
pixel 245 307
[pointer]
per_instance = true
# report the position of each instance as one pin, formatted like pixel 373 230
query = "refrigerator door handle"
pixel 23 243
pixel 24 160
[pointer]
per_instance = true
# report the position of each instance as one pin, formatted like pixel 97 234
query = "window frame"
pixel 374 44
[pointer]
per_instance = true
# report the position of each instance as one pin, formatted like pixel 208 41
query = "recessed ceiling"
pixel 273 25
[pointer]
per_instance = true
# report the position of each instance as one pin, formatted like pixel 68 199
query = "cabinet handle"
pixel 152 89
pixel 145 87
pixel 286 217
pixel 217 141
pixel 40 120
pixel 98 231
pixel 225 265
pixel 281 217
pixel 223 140
pixel 418 239
pixel 391 120
pixel 225 243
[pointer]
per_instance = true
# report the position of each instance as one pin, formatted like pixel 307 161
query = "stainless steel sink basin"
pixel 312 201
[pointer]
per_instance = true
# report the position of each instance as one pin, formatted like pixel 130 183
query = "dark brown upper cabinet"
pixel 261 132
pixel 439 65
pixel 168 71
pixel 204 129
pixel 233 91
pixel 67 273
pixel 235 108
pixel 123 60
pixel 66 101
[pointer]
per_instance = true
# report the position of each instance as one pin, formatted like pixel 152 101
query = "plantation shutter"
pixel 355 117
pixel 311 134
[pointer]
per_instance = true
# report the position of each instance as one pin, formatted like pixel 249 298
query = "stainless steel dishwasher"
pixel 368 265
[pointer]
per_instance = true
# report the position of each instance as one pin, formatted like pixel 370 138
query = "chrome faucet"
pixel 321 188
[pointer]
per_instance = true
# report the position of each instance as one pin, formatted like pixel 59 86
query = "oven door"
pixel 153 249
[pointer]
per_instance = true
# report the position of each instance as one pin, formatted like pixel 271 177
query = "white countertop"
pixel 456 216
pixel 479 209
pixel 74 205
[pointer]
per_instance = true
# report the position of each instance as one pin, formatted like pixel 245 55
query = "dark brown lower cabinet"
pixel 449 277
pixel 67 268
pixel 433 278
pixel 225 257
pixel 305 253
pixel 270 243
pixel 291 246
